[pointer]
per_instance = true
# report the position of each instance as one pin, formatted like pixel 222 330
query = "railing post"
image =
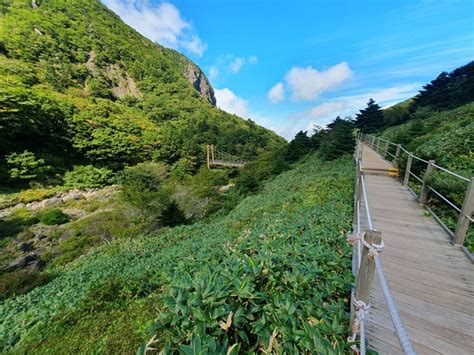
pixel 467 210
pixel 407 170
pixel 397 153
pixel 365 276
pixel 373 142
pixel 424 187
pixel 208 157
pixel 385 150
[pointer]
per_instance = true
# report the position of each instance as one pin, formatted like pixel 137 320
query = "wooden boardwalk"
pixel 431 280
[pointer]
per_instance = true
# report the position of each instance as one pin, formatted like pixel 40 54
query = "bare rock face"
pixel 196 77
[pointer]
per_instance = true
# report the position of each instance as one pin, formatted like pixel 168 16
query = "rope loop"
pixel 374 249
pixel 361 310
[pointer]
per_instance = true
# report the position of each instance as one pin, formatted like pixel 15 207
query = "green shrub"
pixel 182 169
pixel 25 166
pixel 142 188
pixel 87 176
pixel 53 217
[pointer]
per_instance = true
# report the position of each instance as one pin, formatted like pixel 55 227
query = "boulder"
pixel 66 234
pixel 51 202
pixel 36 265
pixel 39 236
pixel 25 246
pixel 20 262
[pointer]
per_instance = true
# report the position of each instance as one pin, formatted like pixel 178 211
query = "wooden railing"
pixel 464 212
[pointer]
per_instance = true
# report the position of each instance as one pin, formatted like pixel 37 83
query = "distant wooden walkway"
pixel 432 281
pixel 216 157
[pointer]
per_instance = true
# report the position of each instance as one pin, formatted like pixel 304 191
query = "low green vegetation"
pixel 87 176
pixel 53 217
pixel 275 270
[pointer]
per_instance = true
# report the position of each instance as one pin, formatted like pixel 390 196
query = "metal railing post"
pixel 424 187
pixel 385 150
pixel 407 170
pixel 466 211
pixel 373 142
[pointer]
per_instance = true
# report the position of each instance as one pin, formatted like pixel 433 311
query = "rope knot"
pixel 352 239
pixel 374 249
pixel 361 309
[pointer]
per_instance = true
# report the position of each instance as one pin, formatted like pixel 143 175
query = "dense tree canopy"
pixel 448 90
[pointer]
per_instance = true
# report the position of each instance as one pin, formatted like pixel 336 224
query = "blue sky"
pixel 289 65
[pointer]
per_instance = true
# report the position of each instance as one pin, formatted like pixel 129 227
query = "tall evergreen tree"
pixel 299 146
pixel 369 119
pixel 339 139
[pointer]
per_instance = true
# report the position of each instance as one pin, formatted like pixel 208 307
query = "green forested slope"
pixel 79 86
pixel 279 262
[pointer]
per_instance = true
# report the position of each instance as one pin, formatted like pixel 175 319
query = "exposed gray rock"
pixel 39 236
pixel 53 201
pixel 196 77
pixel 25 246
pixel 61 197
pixel 36 265
pixel 20 263
pixel 66 234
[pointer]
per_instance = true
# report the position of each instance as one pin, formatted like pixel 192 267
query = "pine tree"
pixel 299 146
pixel 339 139
pixel 448 90
pixel 369 119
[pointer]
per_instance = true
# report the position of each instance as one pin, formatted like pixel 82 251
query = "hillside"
pixel 446 136
pixel 278 261
pixel 78 86
pixel 86 102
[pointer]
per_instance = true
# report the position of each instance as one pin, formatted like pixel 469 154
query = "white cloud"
pixel 161 23
pixel 213 72
pixel 308 83
pixel 326 112
pixel 276 93
pixel 228 101
pixel 330 108
pixel 253 60
pixel 349 105
pixel 237 64
pixel 229 63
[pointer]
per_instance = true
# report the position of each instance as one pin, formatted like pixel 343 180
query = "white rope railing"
pixel 362 308
pixel 402 334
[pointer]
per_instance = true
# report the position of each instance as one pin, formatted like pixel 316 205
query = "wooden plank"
pixel 432 281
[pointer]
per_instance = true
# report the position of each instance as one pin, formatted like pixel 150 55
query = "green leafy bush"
pixel 53 217
pixel 182 169
pixel 142 187
pixel 87 176
pixel 25 166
